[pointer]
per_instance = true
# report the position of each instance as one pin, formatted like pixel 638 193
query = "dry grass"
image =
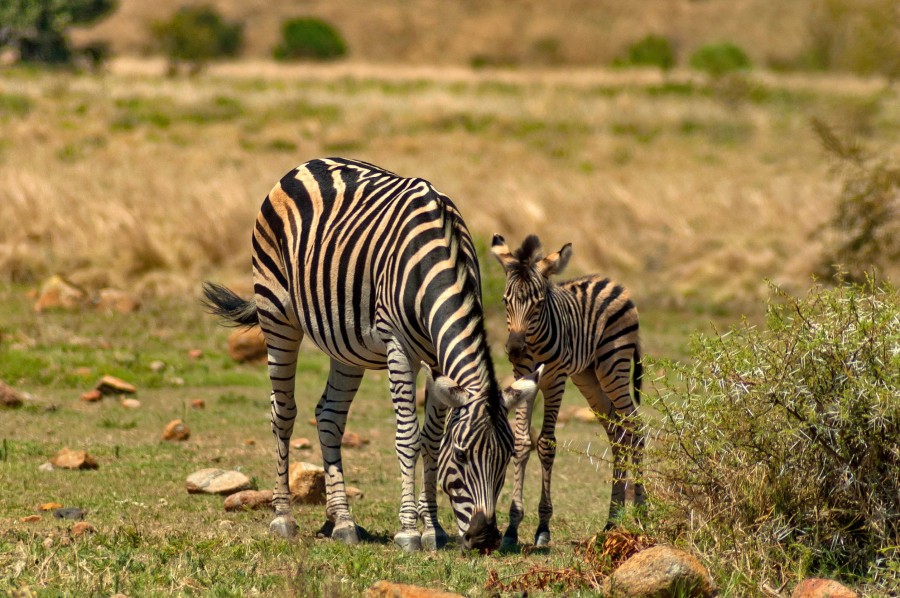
pixel 687 192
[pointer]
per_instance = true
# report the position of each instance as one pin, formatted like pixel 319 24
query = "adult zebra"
pixel 586 329
pixel 379 271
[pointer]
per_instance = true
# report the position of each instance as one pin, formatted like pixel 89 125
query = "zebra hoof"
pixel 510 540
pixel 542 538
pixel 284 526
pixel 434 539
pixel 409 541
pixel 345 532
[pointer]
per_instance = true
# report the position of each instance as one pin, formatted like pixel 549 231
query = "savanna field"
pixel 715 200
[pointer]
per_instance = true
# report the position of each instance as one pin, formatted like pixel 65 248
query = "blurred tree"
pixel 37 28
pixel 653 50
pixel 197 34
pixel 311 38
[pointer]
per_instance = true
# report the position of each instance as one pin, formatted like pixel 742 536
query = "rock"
pixel 822 588
pixel 117 301
pixel 157 366
pixel 30 518
pixel 45 466
pixel 92 396
pixel 249 499
pixel 420 397
pixel 130 403
pixel 49 506
pixel 249 442
pixel 69 459
pixel 81 528
pixel 216 481
pixel 198 404
pixel 312 421
pixel 307 483
pixel 69 513
pixel 353 440
pixel 661 571
pixel 176 430
pixel 584 414
pixel 354 493
pixel 247 344
pixel 386 589
pixel 58 293
pixel 10 397
pixel 110 385
pixel 195 353
pixel 302 444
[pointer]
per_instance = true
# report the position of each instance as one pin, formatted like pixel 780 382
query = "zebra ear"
pixel 522 390
pixel 502 253
pixel 445 390
pixel 555 263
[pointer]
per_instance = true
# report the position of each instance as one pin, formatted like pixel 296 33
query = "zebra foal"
pixel 585 329
pixel 379 271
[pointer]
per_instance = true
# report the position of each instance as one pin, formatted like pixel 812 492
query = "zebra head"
pixel 527 281
pixel 475 451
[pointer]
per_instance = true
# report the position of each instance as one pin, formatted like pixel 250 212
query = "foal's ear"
pixel 502 253
pixel 444 389
pixel 523 390
pixel 555 263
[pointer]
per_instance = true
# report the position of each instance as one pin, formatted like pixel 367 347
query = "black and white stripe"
pixel 379 271
pixel 585 329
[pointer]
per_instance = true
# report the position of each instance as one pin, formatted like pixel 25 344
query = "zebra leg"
pixel 589 385
pixel 331 419
pixel 407 441
pixel 283 343
pixel 546 449
pixel 615 382
pixel 433 537
pixel 522 452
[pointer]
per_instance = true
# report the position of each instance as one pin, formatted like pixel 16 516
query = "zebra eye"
pixel 460 456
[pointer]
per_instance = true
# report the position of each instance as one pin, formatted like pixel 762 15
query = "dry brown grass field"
pixel 690 191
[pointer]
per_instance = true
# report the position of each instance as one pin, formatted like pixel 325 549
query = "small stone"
pixel 387 589
pixel 584 414
pixel 247 344
pixel 249 499
pixel 49 506
pixel 353 440
pixel 157 366
pixel 81 528
pixel 92 396
pixel 176 430
pixel 110 385
pixel 130 403
pixel 302 444
pixel 69 513
pixel 48 466
pixel 822 588
pixel 216 481
pixel 249 442
pixel 354 493
pixel 661 571
pixel 69 459
pixel 10 397
pixel 195 353
pixel 30 518
pixel 307 483
pixel 312 421
pixel 198 404
pixel 117 301
pixel 58 293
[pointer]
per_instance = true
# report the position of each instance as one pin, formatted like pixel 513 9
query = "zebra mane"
pixel 528 254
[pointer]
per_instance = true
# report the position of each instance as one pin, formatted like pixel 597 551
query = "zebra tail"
pixel 637 375
pixel 223 302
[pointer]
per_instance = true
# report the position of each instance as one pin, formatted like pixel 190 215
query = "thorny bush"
pixel 780 455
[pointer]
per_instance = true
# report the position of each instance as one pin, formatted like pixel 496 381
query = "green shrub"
pixel 311 38
pixel 38 28
pixel 719 59
pixel 653 50
pixel 196 34
pixel 780 456
pixel 863 235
